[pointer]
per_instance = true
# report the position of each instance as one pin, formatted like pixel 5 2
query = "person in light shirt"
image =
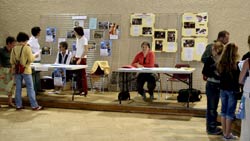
pixel 80 58
pixel 35 47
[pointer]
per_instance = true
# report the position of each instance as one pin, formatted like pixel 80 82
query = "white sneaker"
pixel 230 137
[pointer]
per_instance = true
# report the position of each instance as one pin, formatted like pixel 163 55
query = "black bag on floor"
pixel 195 95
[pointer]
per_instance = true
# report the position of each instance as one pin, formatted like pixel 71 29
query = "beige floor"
pixel 72 125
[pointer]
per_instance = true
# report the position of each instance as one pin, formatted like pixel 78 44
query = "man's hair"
pixel 222 34
pixel 35 30
pixel 10 40
pixel 22 37
pixel 64 44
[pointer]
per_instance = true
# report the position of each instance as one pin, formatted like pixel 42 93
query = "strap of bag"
pixel 20 54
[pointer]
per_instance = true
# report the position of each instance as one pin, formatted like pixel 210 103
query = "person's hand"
pixel 78 62
pixel 36 55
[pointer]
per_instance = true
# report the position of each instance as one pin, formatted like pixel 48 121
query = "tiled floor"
pixel 73 125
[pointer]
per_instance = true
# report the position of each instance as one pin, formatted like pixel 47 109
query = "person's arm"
pixel 57 58
pixel 207 53
pixel 29 54
pixel 243 72
pixel 135 62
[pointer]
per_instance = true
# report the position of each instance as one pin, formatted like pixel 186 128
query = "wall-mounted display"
pixel 142 24
pixel 164 40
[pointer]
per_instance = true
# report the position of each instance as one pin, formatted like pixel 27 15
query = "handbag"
pixel 19 68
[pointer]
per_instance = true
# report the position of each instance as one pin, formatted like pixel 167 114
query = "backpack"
pixel 183 95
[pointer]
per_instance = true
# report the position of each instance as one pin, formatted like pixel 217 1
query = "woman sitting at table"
pixel 63 57
pixel 145 58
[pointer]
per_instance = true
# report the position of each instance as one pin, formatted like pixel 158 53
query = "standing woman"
pixel 229 78
pixel 23 53
pixel 80 58
pixel 245 123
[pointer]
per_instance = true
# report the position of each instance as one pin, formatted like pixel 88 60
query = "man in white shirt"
pixel 35 47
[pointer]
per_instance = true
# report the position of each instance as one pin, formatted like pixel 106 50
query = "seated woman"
pixel 145 58
pixel 63 57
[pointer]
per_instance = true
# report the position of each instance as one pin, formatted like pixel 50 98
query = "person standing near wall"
pixel 35 47
pixel 145 58
pixel 80 58
pixel 244 79
pixel 6 77
pixel 23 53
pixel 212 89
pixel 229 87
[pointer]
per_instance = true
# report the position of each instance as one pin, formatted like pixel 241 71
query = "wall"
pixel 21 15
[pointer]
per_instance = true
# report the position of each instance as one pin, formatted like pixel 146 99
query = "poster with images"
pixel 70 34
pixel 103 25
pixel 98 34
pixel 106 48
pixel 91 45
pixel 50 34
pixel 92 23
pixel 46 50
pixel 195 24
pixel 164 40
pixel 73 45
pixel 114 31
pixel 142 24
pixel 193 48
pixel 78 23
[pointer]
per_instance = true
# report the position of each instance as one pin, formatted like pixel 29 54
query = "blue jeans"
pixel 228 104
pixel 30 90
pixel 213 96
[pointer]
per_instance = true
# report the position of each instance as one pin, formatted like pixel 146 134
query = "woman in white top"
pixel 80 58
pixel 35 47
pixel 245 123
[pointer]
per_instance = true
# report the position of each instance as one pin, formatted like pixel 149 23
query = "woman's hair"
pixel 79 30
pixel 22 37
pixel 228 59
pixel 64 44
pixel 35 30
pixel 145 43
pixel 218 47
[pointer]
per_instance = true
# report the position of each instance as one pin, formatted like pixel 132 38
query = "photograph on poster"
pixel 98 34
pixel 201 18
pixel 46 50
pixel 171 36
pixel 70 34
pixel 189 24
pixel 50 34
pixel 158 45
pixel 136 21
pixel 105 49
pixel 91 45
pixel 78 23
pixel 113 28
pixel 201 31
pixel 159 34
pixel 147 30
pixel 188 43
pixel 103 25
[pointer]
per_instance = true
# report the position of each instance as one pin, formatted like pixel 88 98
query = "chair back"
pixel 181 76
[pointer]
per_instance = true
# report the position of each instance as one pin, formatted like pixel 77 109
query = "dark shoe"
pixel 19 108
pixel 216 131
pixel 38 108
pixel 144 96
pixel 12 105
